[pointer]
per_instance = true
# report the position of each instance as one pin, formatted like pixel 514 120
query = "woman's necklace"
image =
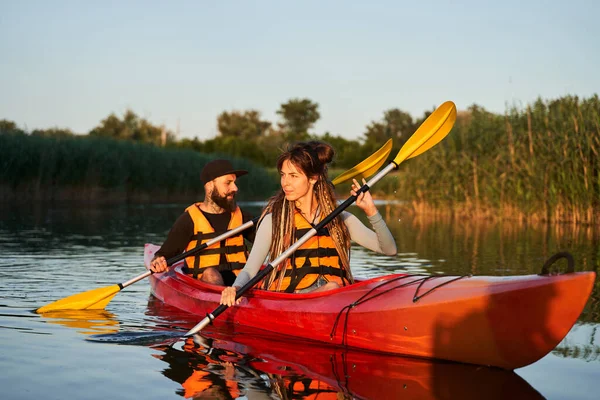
pixel 311 215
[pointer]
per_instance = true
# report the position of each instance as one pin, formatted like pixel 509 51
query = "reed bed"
pixel 537 163
pixel 101 169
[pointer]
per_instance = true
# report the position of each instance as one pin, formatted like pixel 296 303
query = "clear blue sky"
pixel 70 64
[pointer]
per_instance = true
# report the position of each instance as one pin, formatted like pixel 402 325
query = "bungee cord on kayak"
pixel 421 281
pixel 417 297
pixel 370 296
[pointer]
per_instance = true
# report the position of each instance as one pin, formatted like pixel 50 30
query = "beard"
pixel 223 201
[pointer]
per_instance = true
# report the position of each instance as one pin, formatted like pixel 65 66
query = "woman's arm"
pixel 380 240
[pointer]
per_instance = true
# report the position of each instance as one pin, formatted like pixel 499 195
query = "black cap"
pixel 217 168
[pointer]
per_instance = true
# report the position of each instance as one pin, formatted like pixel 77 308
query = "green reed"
pixel 538 162
pixel 99 168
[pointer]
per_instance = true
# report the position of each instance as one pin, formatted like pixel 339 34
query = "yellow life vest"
pixel 235 249
pixel 317 257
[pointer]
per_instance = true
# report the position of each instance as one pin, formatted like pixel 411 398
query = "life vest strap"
pixel 204 236
pixel 297 274
pixel 224 250
pixel 317 252
pixel 194 272
pixel 303 231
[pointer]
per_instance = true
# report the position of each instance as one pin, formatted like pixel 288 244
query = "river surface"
pixel 132 349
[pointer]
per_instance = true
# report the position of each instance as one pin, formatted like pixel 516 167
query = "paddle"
pixel 98 298
pixel 430 133
pixel 367 167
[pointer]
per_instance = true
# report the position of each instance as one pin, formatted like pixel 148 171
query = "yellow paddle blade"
pixel 368 166
pixel 95 299
pixel 430 133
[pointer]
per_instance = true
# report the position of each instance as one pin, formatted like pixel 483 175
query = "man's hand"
pixel 158 264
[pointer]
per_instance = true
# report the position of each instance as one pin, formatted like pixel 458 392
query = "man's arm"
pixel 178 238
pixel 250 233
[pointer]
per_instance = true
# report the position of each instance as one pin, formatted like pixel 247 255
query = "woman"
pixel 305 198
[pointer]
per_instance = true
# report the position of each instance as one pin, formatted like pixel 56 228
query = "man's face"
pixel 222 191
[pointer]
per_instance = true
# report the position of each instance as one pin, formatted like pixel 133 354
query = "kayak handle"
pixel 556 257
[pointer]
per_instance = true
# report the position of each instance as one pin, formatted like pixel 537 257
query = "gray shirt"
pixel 380 240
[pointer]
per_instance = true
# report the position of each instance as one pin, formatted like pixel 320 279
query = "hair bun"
pixel 323 150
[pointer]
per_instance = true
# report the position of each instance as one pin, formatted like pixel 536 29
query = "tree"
pixel 397 125
pixel 9 128
pixel 133 128
pixel 299 115
pixel 246 125
pixel 53 132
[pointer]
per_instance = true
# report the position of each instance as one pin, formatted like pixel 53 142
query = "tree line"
pixel 247 134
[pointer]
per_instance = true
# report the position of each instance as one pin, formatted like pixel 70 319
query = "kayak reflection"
pixel 231 363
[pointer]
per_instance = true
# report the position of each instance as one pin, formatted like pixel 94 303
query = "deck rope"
pixel 417 297
pixel 369 296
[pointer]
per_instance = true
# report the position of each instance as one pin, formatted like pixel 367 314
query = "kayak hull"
pixel 506 322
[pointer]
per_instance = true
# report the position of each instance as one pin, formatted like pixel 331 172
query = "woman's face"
pixel 295 184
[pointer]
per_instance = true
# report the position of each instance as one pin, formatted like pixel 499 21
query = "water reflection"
pixel 87 322
pixel 583 342
pixel 205 372
pixel 226 366
pixel 230 362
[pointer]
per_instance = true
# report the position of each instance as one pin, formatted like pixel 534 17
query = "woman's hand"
pixel 159 264
pixel 228 296
pixel 364 200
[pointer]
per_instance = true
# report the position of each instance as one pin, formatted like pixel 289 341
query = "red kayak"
pixel 507 322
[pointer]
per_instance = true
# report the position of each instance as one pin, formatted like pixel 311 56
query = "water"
pixel 132 349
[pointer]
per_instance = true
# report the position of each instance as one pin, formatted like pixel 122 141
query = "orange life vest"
pixel 317 257
pixel 235 249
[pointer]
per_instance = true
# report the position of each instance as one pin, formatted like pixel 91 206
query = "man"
pixel 201 222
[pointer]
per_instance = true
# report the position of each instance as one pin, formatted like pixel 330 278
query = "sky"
pixel 69 64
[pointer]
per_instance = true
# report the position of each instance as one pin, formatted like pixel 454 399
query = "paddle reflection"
pixel 88 322
pixel 240 362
